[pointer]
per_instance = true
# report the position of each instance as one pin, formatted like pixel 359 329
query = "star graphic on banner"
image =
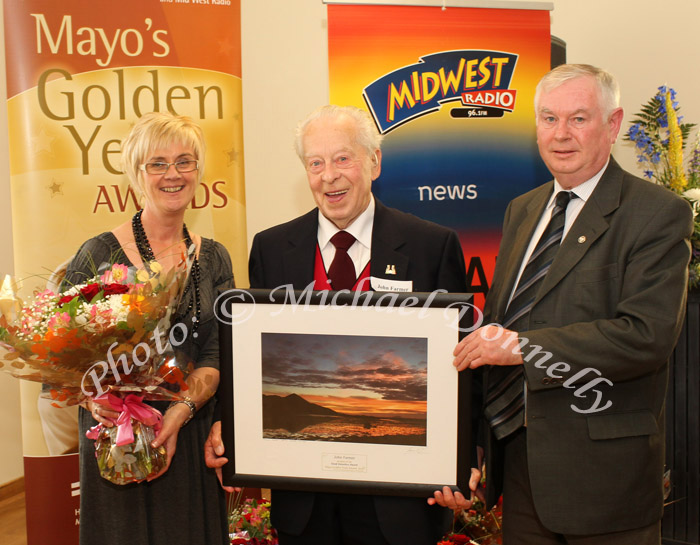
pixel 55 188
pixel 231 155
pixel 226 46
pixel 42 141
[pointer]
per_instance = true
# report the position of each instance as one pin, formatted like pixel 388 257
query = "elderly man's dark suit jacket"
pixel 613 302
pixel 423 252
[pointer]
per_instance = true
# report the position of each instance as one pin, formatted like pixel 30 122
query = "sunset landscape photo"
pixel 347 388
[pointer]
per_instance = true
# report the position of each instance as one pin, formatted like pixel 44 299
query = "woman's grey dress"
pixel 185 505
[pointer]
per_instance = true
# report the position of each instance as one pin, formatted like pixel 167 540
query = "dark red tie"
pixel 341 274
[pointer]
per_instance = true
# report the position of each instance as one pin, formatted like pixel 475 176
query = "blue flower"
pixel 649 174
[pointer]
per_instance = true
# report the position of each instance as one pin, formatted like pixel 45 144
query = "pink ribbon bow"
pixel 132 406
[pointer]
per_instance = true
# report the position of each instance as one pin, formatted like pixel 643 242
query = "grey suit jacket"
pixel 601 331
pixel 427 254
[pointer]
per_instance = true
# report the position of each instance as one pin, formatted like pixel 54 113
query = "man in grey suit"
pixel 575 388
pixel 389 251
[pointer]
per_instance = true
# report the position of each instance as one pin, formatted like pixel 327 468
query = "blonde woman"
pixel 163 155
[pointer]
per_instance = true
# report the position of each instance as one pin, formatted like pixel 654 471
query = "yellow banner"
pixel 78 74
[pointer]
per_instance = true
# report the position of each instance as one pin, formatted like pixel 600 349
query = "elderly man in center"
pixel 384 249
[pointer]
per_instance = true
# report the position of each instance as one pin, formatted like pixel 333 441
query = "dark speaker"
pixel 558 52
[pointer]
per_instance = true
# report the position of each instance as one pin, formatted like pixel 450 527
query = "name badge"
pixel 384 284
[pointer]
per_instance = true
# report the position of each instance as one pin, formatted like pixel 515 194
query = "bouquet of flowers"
pixel 249 521
pixel 659 137
pixel 102 340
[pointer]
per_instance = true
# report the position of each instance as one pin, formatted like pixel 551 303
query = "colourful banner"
pixel 452 91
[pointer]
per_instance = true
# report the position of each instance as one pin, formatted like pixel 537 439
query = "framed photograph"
pixel 344 391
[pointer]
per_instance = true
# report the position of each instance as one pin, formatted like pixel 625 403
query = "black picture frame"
pixel 259 461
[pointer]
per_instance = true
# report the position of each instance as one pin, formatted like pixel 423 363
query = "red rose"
pixel 90 291
pixel 460 539
pixel 66 299
pixel 112 289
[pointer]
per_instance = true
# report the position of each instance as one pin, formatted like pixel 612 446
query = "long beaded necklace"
pixel 146 253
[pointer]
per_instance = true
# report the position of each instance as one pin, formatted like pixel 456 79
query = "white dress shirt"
pixel 361 229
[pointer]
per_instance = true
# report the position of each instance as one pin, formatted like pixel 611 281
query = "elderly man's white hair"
pixel 367 135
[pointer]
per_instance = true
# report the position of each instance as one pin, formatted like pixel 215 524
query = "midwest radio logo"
pixel 479 79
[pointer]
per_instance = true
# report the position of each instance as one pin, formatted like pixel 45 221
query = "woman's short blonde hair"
pixel 158 130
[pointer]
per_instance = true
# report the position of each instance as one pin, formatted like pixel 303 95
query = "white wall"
pixel 11 465
pixel 645 43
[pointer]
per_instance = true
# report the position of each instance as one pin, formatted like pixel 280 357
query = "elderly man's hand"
pixel 488 345
pixel 457 500
pixel 214 453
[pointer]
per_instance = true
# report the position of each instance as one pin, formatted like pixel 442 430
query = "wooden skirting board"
pixel 12 488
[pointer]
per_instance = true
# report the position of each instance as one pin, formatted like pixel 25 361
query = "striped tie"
pixel 505 400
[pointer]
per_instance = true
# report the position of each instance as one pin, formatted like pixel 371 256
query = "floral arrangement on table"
pixel 659 137
pixel 102 340
pixel 249 521
pixel 476 526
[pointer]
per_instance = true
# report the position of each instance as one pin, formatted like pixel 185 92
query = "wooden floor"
pixel 13 530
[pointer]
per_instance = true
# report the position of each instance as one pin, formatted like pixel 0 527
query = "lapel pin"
pixel 581 239
pixel 390 269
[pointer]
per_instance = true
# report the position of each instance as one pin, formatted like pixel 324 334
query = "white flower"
pixel 74 290
pixel 692 194
pixel 119 309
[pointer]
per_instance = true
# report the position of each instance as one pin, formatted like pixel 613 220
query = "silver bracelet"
pixel 187 401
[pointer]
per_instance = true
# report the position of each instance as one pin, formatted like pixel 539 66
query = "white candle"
pixel 9 303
